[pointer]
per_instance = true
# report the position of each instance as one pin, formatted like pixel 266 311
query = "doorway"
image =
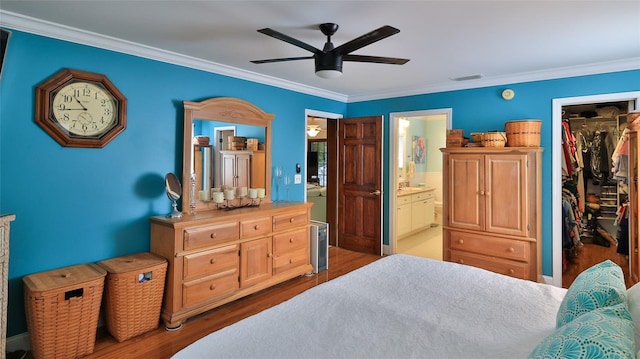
pixel 420 177
pixel 586 106
pixel 320 176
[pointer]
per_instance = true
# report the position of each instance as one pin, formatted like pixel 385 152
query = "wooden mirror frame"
pixel 221 109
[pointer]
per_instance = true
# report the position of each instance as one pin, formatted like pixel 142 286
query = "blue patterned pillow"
pixel 599 286
pixel 601 333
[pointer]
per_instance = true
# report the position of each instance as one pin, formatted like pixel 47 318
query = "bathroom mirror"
pixel 234 112
pixel 174 192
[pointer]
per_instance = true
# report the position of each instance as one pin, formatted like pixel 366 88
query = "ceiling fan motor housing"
pixel 328 61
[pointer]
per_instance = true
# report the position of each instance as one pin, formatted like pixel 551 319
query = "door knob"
pixel 376 192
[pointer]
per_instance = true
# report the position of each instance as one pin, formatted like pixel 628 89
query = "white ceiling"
pixel 506 41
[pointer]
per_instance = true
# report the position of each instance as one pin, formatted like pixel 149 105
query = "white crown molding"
pixel 549 74
pixel 62 32
pixel 66 33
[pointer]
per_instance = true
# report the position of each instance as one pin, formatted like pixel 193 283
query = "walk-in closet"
pixel 594 186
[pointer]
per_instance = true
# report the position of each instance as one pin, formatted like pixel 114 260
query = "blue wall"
pixel 483 109
pixel 77 205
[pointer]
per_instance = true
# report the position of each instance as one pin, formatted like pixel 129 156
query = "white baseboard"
pixel 18 342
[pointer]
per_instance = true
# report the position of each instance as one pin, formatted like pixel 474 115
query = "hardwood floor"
pixel 590 254
pixel 160 344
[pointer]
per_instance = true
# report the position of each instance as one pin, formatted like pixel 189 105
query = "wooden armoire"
pixel 491 208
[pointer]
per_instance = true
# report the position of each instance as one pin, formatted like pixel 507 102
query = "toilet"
pixel 438 212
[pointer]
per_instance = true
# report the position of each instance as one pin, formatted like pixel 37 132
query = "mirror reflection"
pixel 174 191
pixel 226 144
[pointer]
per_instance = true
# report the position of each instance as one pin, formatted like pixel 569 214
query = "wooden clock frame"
pixel 44 115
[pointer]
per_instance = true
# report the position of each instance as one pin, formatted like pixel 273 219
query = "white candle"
pixel 242 192
pixel 261 192
pixel 230 194
pixel 218 197
pixel 203 195
pixel 253 193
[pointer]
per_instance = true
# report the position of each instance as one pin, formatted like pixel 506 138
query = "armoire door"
pixel 465 180
pixel 506 193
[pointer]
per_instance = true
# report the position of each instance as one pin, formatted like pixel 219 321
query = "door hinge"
pixel 527 162
pixel 528 227
pixel 238 253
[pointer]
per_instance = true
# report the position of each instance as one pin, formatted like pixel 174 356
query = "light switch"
pixel 297 179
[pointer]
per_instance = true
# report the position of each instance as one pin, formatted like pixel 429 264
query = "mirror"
pixel 216 113
pixel 174 191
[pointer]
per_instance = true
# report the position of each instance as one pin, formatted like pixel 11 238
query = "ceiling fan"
pixel 329 60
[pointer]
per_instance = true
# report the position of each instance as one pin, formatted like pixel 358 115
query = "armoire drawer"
pixel 288 260
pixel 491 246
pixel 210 235
pixel 211 261
pixel 289 220
pixel 291 241
pixel 207 288
pixel 497 265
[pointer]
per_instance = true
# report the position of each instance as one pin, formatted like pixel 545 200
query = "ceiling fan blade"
pixel 289 39
pixel 376 59
pixel 366 39
pixel 281 60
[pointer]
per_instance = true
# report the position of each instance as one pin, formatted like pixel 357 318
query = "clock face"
pixel 84 109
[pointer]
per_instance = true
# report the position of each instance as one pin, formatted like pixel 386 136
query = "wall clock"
pixel 80 109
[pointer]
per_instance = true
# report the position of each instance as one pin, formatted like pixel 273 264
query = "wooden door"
pixel 360 184
pixel 465 182
pixel 634 264
pixel 506 194
pixel 256 261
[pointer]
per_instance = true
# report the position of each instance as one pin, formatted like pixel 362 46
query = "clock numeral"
pixel 67 98
pixel 61 106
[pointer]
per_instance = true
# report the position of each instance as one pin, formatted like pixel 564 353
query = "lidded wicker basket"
pixel 62 308
pixel 494 139
pixel 523 133
pixel 133 294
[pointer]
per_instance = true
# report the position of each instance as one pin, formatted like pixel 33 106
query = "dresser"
pixel 5 223
pixel 216 257
pixel 492 209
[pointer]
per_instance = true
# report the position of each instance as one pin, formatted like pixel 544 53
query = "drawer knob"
pixel 269 255
pixel 461 261
pixel 212 287
pixel 290 240
pixel 290 261
pixel 291 220
pixel 460 241
pixel 213 260
pixel 511 250
pixel 256 227
pixel 511 271
pixel 213 235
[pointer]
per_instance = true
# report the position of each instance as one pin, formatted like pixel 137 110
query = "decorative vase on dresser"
pixel 216 257
pixel 492 209
pixel 5 224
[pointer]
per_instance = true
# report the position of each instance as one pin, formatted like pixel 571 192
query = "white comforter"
pixel 397 307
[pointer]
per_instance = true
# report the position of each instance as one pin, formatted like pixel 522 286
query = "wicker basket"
pixel 62 308
pixel 523 133
pixel 494 139
pixel 133 294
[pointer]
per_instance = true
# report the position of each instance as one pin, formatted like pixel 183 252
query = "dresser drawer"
pixel 288 260
pixel 210 287
pixel 255 227
pixel 491 246
pixel 210 235
pixel 497 265
pixel 211 261
pixel 403 200
pixel 290 220
pixel 291 241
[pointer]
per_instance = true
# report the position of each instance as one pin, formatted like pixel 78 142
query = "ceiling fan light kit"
pixel 328 61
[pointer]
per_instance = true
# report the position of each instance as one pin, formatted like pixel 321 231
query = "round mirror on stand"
pixel 174 192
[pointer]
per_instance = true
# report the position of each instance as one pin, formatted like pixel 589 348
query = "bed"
pixel 409 307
